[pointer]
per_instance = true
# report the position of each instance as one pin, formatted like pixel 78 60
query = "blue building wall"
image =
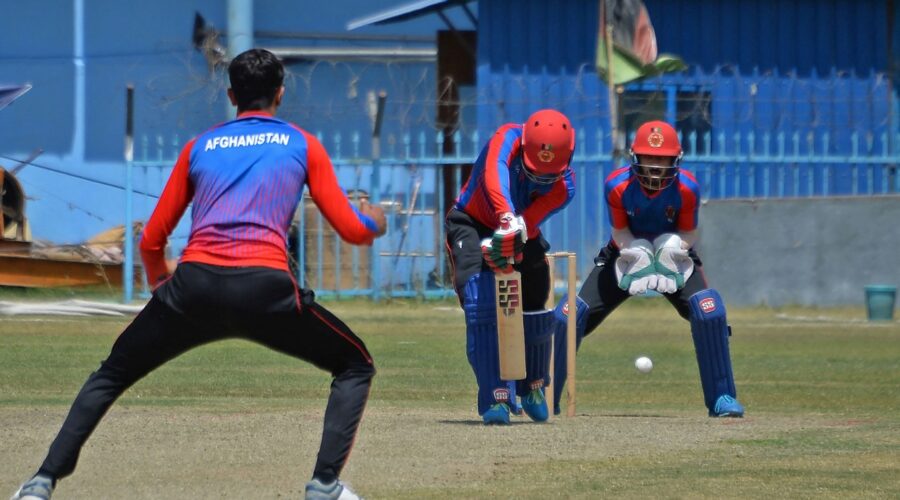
pixel 149 44
pixel 799 36
pixel 797 76
pixel 785 65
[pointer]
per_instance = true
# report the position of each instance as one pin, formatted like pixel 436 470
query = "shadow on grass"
pixel 479 423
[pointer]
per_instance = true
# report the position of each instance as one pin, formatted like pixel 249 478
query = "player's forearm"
pixel 171 206
pixel 497 189
pixel 155 237
pixel 689 238
pixel 154 265
pixel 351 225
pixel 622 237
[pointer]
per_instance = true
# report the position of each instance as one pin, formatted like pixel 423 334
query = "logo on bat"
pixel 508 296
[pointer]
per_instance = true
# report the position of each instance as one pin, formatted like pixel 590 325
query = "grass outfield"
pixel 233 420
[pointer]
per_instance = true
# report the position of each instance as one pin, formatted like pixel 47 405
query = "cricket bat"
pixel 510 325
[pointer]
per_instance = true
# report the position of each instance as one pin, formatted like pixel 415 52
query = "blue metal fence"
pixel 408 181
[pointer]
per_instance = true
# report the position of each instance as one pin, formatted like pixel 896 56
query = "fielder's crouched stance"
pixel 653 207
pixel 521 178
pixel 245 178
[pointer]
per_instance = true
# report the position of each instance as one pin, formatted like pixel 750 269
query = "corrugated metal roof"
pixel 404 12
pixel 9 93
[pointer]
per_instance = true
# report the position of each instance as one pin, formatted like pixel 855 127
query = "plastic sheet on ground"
pixel 71 307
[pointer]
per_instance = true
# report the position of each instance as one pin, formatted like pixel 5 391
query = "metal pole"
pixel 78 134
pixel 611 94
pixel 375 195
pixel 240 35
pixel 127 236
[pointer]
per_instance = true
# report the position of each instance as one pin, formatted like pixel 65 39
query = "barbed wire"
pixel 332 95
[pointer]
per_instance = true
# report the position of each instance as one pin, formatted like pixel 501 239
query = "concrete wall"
pixel 820 251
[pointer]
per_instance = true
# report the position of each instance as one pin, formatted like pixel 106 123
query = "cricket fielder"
pixel 521 177
pixel 245 178
pixel 653 208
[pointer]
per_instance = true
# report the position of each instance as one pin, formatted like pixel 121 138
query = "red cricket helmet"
pixel 656 138
pixel 548 140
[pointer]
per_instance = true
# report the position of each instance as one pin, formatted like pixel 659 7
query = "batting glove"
pixel 498 263
pixel 509 239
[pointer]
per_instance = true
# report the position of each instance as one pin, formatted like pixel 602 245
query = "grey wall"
pixel 820 251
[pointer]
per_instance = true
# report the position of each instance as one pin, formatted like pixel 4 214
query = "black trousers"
pixel 203 303
pixel 602 294
pixel 464 235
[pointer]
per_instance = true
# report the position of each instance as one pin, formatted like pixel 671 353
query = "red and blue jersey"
pixel 498 185
pixel 648 215
pixel 245 178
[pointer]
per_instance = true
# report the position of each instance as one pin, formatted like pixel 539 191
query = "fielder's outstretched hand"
pixel 376 213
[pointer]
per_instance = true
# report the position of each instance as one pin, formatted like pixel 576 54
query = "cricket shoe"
pixel 727 406
pixel 39 487
pixel 497 414
pixel 335 490
pixel 535 405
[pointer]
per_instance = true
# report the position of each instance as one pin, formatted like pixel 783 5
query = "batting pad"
pixel 481 340
pixel 560 352
pixel 710 331
pixel 538 335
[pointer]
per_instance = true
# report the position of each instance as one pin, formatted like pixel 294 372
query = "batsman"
pixel 653 209
pixel 521 177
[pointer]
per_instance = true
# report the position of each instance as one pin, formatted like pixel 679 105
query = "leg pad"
pixel 482 350
pixel 710 331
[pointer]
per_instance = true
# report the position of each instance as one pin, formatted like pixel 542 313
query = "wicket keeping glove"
pixel 672 262
pixel 497 262
pixel 509 239
pixel 635 268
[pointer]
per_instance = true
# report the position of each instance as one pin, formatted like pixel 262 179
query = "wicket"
pixel 572 273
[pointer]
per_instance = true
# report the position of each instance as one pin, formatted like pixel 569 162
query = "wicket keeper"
pixel 653 208
pixel 521 177
pixel 244 178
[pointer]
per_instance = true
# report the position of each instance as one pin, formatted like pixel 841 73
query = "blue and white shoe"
pixel 497 414
pixel 335 490
pixel 727 406
pixel 535 406
pixel 39 487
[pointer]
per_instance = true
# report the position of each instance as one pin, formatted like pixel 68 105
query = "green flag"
pixel 633 54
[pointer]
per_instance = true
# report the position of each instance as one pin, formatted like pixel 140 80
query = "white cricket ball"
pixel 643 364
